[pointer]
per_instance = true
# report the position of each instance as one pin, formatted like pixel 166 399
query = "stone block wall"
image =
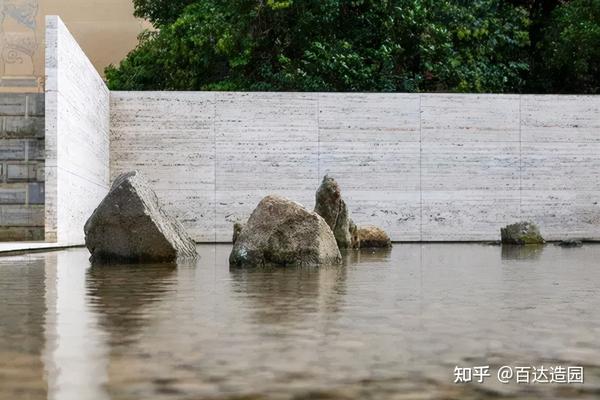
pixel 22 167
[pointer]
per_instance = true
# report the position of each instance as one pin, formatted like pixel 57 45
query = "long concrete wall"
pixel 432 167
pixel 77 135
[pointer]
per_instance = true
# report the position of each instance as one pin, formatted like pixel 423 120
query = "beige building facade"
pixel 105 29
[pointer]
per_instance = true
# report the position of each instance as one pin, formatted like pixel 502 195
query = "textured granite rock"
pixel 130 226
pixel 330 205
pixel 237 229
pixel 373 237
pixel 281 232
pixel 521 233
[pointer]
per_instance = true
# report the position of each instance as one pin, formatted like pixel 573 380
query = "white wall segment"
pixel 170 138
pixel 77 136
pixel 436 167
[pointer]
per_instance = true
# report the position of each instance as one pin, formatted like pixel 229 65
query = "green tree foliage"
pixel 160 12
pixel 328 45
pixel 571 49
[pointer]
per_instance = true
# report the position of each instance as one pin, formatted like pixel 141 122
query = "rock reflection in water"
pixel 375 255
pixel 279 295
pixel 515 252
pixel 119 294
pixel 22 321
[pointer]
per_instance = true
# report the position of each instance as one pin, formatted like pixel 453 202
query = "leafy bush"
pixel 571 49
pixel 328 45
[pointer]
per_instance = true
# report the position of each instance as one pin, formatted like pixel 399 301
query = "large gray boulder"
pixel 130 226
pixel 521 233
pixel 281 232
pixel 330 205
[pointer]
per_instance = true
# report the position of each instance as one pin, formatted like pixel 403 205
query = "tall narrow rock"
pixel 130 226
pixel 330 205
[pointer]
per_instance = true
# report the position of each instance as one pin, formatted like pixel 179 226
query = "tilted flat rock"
pixel 373 237
pixel 330 205
pixel 521 233
pixel 130 226
pixel 282 232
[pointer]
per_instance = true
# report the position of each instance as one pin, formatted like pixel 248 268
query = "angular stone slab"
pixel 281 232
pixel 130 226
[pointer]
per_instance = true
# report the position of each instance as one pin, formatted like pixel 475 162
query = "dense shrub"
pixel 329 45
pixel 571 49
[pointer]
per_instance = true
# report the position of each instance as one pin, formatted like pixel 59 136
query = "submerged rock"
pixel 330 205
pixel 130 226
pixel 373 237
pixel 282 232
pixel 570 243
pixel 521 233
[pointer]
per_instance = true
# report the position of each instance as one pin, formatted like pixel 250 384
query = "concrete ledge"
pixel 28 247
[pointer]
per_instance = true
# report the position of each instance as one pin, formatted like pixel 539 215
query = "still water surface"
pixel 385 325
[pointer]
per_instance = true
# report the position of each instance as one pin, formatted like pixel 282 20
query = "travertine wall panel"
pixel 372 165
pixel 437 167
pixel 470 165
pixel 265 143
pixel 270 117
pixel 552 118
pixel 188 115
pixel 398 212
pixel 76 137
pixel 561 166
pixel 563 213
pixel 276 165
pixel 370 142
pixel 467 215
pixel 459 118
pixel 366 117
pixel 169 137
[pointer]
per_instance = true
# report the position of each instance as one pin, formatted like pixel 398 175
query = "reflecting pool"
pixel 385 325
